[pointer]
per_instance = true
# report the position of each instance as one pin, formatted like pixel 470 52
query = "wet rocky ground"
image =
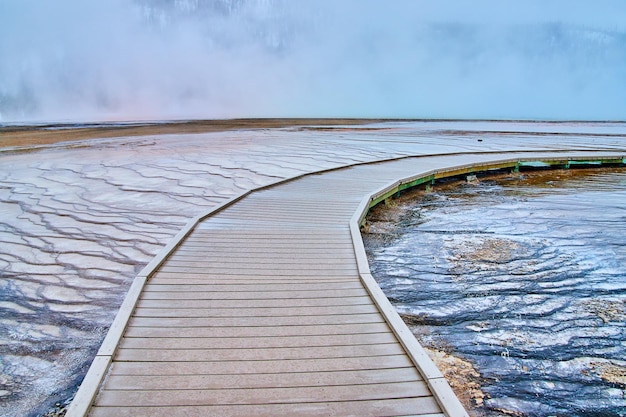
pixel 517 286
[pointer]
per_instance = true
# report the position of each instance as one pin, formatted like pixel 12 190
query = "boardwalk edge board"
pixel 97 372
pixel 439 387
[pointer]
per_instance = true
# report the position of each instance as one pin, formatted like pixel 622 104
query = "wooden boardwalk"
pixel 267 308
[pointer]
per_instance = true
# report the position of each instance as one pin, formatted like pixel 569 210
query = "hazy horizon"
pixel 191 59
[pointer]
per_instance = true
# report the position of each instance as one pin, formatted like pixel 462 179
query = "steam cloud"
pixel 156 59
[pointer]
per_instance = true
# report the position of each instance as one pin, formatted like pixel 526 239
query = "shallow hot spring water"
pixel 516 284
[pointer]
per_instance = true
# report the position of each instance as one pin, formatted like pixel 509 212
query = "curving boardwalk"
pixel 266 307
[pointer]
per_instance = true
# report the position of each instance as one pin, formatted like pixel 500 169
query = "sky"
pixel 123 60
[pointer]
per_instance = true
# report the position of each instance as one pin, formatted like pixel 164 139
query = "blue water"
pixel 522 276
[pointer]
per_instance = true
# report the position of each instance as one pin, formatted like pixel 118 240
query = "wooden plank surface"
pixel 196 285
pixel 262 342
pixel 255 303
pixel 379 407
pixel 259 354
pixel 256 331
pixel 256 311
pixel 330 319
pixel 266 395
pixel 259 380
pixel 220 293
pixel 240 367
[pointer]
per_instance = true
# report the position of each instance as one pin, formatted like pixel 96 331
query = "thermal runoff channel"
pixel 154 59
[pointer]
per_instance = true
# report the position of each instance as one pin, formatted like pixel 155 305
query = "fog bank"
pixel 72 60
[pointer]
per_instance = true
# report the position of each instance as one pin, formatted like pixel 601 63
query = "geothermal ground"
pixel 85 207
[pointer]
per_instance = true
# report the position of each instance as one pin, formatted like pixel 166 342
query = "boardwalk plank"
pixel 256 312
pixel 201 355
pixel 264 245
pixel 295 286
pixel 240 367
pixel 249 269
pixel 300 238
pixel 225 293
pixel 225 260
pixel 303 238
pixel 264 395
pixel 256 321
pixel 256 342
pixel 268 331
pixel 267 252
pixel 255 303
pixel 279 230
pixel 423 406
pixel 211 278
pixel 275 380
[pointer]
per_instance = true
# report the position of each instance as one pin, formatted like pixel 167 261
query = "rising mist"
pixel 73 60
